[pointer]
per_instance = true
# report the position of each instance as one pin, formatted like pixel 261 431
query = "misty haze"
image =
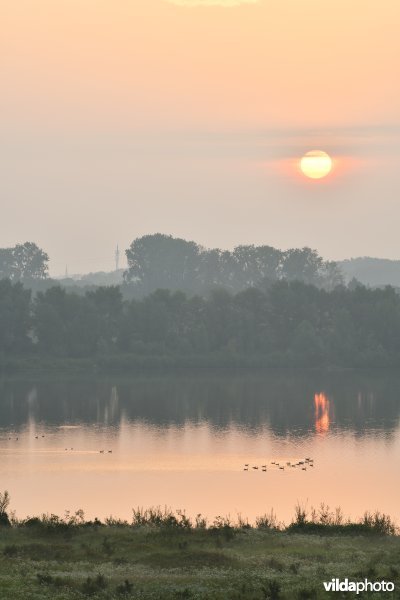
pixel 199 299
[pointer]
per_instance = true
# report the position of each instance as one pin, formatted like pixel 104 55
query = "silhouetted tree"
pixel 161 261
pixel 25 261
pixel 15 318
pixel 303 264
pixel 66 324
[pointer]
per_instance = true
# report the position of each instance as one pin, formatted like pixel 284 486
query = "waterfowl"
pixel 101 451
pixel 255 467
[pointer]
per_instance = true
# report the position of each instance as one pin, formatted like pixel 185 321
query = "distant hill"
pixel 371 271
pixel 93 279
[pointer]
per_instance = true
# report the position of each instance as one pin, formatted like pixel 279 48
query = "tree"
pixel 66 324
pixel 31 261
pixel 15 318
pixel 161 261
pixel 107 305
pixel 7 267
pixel 24 261
pixel 332 275
pixel 303 264
pixel 4 504
pixel 307 347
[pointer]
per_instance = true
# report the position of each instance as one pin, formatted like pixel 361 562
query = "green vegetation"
pixel 25 262
pixel 161 261
pixel 253 307
pixel 289 324
pixel 166 556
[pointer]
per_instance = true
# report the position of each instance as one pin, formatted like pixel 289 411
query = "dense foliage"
pixel 23 262
pixel 288 323
pixel 161 261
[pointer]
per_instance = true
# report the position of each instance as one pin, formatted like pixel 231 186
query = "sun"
pixel 316 164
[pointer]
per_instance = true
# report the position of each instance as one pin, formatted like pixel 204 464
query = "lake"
pixel 183 440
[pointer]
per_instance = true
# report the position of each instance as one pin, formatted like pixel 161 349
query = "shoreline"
pixel 133 364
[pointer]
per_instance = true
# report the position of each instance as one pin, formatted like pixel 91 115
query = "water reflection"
pixel 173 437
pixel 288 405
pixel 322 416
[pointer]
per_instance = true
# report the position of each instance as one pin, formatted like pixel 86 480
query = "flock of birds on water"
pixel 66 449
pixel 274 465
pixel 304 464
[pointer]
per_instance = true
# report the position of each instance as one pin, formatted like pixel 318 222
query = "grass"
pixel 166 556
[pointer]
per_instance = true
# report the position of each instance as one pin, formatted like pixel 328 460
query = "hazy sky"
pixel 125 117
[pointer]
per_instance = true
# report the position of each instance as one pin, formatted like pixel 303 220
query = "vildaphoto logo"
pixel 344 585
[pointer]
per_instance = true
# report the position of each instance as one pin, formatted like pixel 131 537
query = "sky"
pixel 189 117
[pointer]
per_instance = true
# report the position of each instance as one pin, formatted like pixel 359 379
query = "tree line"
pixel 162 262
pixel 288 323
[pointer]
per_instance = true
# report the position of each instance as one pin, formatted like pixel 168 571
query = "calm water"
pixel 182 441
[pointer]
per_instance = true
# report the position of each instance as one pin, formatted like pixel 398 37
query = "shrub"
pixel 124 589
pixel 267 521
pixel 271 590
pixel 92 586
pixel 10 551
pixel 4 504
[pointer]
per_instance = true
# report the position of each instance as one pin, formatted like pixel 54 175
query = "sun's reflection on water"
pixel 322 413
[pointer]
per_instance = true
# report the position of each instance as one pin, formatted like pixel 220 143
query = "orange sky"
pixel 123 85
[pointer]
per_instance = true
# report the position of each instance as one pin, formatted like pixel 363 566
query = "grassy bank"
pixel 165 556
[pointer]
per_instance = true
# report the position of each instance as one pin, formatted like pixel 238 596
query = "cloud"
pixel 211 2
